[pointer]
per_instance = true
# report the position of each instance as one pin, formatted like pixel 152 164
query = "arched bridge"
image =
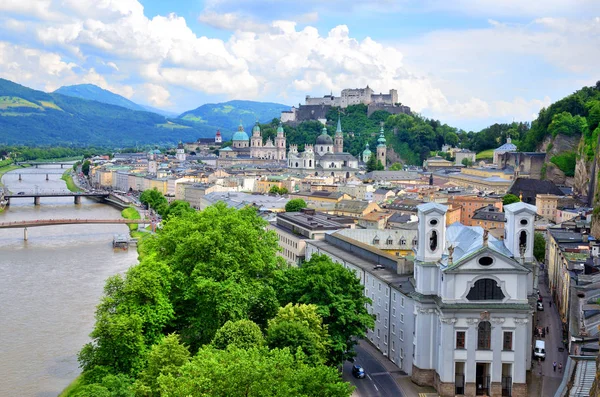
pixel 54 222
pixel 36 196
pixel 38 163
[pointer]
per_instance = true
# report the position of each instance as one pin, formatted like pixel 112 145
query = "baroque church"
pixel 246 150
pixel 326 157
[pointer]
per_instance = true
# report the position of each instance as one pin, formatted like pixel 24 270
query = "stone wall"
pixel 422 377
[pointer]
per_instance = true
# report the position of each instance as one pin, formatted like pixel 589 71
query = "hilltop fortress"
pixel 316 108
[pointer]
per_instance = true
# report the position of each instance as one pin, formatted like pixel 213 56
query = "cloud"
pixel 157 95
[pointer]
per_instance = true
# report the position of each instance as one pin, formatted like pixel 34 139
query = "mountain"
pixel 228 115
pixel 165 113
pixel 34 117
pixel 95 93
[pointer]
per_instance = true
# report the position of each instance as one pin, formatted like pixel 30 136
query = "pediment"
pixel 486 260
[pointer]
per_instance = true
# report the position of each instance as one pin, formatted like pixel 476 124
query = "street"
pixel 549 318
pixel 377 383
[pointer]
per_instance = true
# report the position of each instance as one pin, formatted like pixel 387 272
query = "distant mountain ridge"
pixel 228 115
pixel 94 93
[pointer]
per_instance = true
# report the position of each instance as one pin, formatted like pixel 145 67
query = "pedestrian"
pixel 550 303
pixel 560 367
pixel 554 366
pixel 548 330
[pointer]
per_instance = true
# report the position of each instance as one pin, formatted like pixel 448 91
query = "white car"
pixel 540 306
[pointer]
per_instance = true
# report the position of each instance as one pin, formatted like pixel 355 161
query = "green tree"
pixel 274 189
pixel 155 200
pixel 396 167
pixel 255 372
pixel 372 163
pixel 509 199
pixel 177 208
pixel 539 247
pixel 295 205
pixel 283 190
pixel 299 326
pixel 380 166
pixel 85 167
pixel 566 124
pixel 243 334
pixel 164 358
pixel 467 162
pixel 338 294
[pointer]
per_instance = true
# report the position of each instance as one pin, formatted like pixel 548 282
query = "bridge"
pixel 36 164
pixel 36 196
pixel 55 222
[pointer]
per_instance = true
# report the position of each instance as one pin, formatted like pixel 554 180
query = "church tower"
pixel 338 145
pixel 519 230
pixel 280 142
pixel 381 149
pixel 180 155
pixel 218 137
pixel 256 140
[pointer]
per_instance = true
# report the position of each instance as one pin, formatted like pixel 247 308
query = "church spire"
pixel 338 130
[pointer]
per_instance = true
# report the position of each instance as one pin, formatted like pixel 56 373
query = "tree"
pixel 509 199
pixel 566 124
pixel 467 162
pixel 283 190
pixel 372 163
pixel 255 372
pixel 337 293
pixel 396 167
pixel 177 208
pixel 85 167
pixel 299 326
pixel 243 334
pixel 155 200
pixel 539 247
pixel 274 189
pixel 165 358
pixel 295 205
pixel 380 166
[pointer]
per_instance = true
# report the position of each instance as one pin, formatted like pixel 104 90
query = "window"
pixel 394 296
pixel 394 311
pixel 387 292
pixel 393 346
pixel 507 340
pixel 460 339
pixel 485 289
pixel 386 306
pixel 385 339
pixel 402 302
pixel 402 241
pixel 389 241
pixel 484 333
pixel 523 239
pixel 378 333
pixel 378 301
pixel 401 334
pixel 401 318
pixel 401 353
pixel 485 261
pixel 394 329
pixel 379 286
pixel 433 241
pixel 376 241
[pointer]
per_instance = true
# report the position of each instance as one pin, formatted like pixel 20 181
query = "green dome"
pixel 367 151
pixel 280 129
pixel 240 136
pixel 256 127
pixel 381 139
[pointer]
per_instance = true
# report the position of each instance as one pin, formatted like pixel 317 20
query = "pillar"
pixel 36 200
pixel 25 235
pixel 77 199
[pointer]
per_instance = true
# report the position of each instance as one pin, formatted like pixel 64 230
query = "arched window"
pixel 485 289
pixel 433 241
pixel 309 163
pixel 523 239
pixel 484 335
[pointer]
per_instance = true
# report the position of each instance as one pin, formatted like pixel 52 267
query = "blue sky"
pixel 468 63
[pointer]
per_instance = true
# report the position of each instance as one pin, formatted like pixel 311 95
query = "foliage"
pixel 337 293
pixel 467 162
pixel 539 247
pixel 566 124
pixel 85 167
pixel 243 334
pixel 295 205
pixel 396 167
pixel 485 155
pixel 566 162
pixel 164 358
pixel 509 199
pixel 374 164
pixel 67 176
pixel 155 200
pixel 177 208
pixel 299 326
pixel 256 372
pixel 131 213
pixel 94 93
pixel 278 190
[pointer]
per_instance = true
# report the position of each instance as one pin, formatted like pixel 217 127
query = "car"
pixel 540 306
pixel 21 194
pixel 358 372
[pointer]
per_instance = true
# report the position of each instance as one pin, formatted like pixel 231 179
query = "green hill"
pixel 34 117
pixel 94 93
pixel 228 115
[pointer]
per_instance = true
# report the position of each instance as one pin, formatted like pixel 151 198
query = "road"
pixel 549 318
pixel 377 383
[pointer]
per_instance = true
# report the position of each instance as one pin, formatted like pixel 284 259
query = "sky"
pixel 467 63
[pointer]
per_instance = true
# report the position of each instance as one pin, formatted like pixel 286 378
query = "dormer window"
pixel 376 240
pixel 389 241
pixel 402 241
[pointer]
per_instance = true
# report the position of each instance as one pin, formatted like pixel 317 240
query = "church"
pixel 246 150
pixel 326 157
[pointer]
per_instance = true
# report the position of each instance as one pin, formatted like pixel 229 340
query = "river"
pixel 51 284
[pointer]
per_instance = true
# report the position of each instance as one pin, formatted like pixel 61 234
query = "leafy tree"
pixel 165 358
pixel 255 372
pixel 283 190
pixel 295 205
pixel 509 199
pixel 177 208
pixel 274 189
pixel 155 200
pixel 373 164
pixel 566 162
pixel 539 247
pixel 299 326
pixel 85 167
pixel 396 167
pixel 467 162
pixel 337 293
pixel 243 334
pixel 566 124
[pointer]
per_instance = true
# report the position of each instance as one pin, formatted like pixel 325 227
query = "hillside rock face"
pixel 556 145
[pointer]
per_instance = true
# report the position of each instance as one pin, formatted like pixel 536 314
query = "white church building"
pixel 462 321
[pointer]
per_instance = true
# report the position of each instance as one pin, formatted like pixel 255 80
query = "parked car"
pixel 540 350
pixel 358 372
pixel 540 306
pixel 21 194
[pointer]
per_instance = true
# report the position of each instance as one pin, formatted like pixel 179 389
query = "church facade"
pixel 326 157
pixel 252 150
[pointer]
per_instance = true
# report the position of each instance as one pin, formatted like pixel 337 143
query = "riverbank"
pixel 7 168
pixel 68 178
pixel 131 213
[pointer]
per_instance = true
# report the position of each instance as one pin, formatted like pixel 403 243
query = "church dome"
pixel 240 136
pixel 367 151
pixel 324 138
pixel 280 128
pixel 256 128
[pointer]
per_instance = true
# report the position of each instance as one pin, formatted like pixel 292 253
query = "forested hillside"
pixel 36 118
pixel 95 93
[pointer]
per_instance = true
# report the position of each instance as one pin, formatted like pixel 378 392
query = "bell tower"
pixel 519 230
pixel 381 148
pixel 338 144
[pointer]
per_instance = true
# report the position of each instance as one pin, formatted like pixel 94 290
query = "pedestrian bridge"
pixel 54 222
pixel 36 196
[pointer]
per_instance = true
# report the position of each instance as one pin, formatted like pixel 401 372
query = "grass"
pixel 131 213
pixel 51 105
pixel 72 388
pixel 16 102
pixel 485 155
pixel 172 126
pixel 68 178
pixel 5 169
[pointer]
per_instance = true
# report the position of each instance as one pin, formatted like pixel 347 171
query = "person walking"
pixel 547 330
pixel 554 366
pixel 560 367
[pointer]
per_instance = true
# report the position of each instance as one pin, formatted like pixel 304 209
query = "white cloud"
pixel 157 95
